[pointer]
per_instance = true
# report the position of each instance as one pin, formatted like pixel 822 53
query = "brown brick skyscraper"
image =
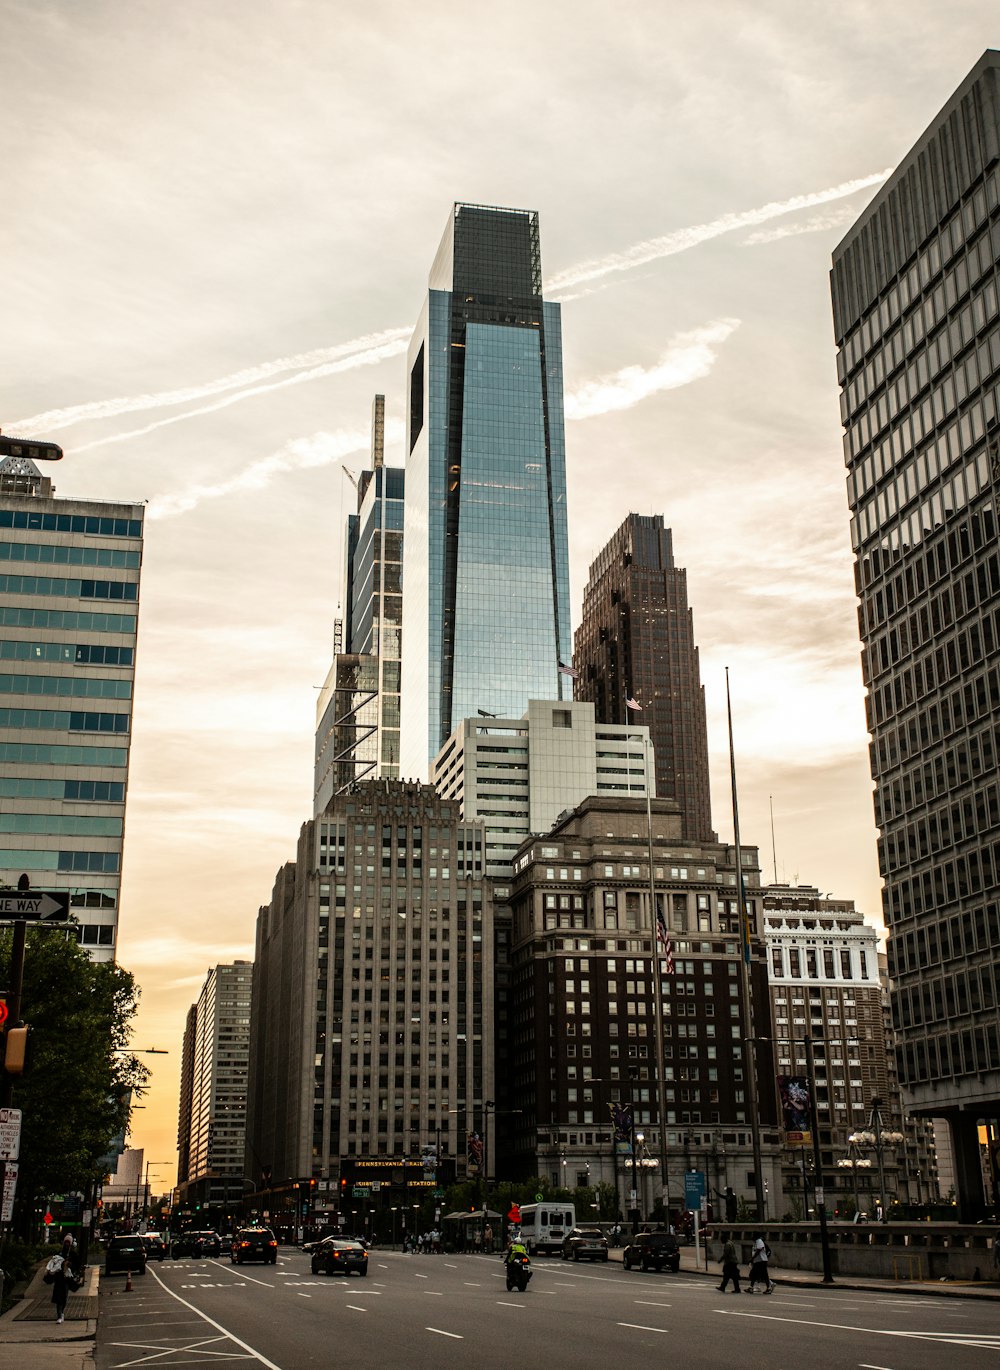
pixel 636 638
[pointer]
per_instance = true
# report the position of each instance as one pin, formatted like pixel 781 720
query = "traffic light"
pixel 15 1056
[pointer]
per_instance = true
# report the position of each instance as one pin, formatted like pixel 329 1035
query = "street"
pixel 417 1311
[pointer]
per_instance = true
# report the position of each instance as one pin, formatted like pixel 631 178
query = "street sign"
pixel 694 1189
pixel 35 906
pixel 358 1193
pixel 10 1133
pixel 9 1186
pixel 3 1011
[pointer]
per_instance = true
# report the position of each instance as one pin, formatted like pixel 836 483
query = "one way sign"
pixel 34 905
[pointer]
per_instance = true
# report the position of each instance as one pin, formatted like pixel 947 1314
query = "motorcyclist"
pixel 516 1250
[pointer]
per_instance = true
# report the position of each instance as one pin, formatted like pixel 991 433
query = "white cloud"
pixel 683 239
pixel 834 218
pixel 689 357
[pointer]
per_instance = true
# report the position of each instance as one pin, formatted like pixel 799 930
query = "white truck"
pixel 544 1225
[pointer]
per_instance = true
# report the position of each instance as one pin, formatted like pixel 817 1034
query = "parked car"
pixel 336 1256
pixel 652 1251
pixel 254 1244
pixel 125 1253
pixel 585 1243
pixel 155 1246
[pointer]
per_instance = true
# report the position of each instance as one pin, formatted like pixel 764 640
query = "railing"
pixel 894 1251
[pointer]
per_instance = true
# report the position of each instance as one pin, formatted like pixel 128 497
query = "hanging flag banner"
pixel 621 1117
pixel 795 1109
pixel 663 937
pixel 474 1153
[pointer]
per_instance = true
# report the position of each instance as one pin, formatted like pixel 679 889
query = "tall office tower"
pixel 584 996
pixel 917 322
pixel 69 602
pixel 216 1139
pixel 186 1099
pixel 369 1039
pixel 486 577
pixel 357 713
pixel 636 638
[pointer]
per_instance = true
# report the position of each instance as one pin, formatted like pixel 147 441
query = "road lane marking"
pixel 449 1266
pixel 441 1333
pixel 218 1327
pixel 506 1303
pixel 472 1284
pixel 434 1293
pixel 639 1327
pixel 356 1308
pixel 305 1296
pixel 989 1340
pixel 648 1304
pixel 422 1277
pixel 863 1366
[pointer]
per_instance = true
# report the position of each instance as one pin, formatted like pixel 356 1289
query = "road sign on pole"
pixel 9 1186
pixel 34 906
pixel 10 1133
pixel 694 1189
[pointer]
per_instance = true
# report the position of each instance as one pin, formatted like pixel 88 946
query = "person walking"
pixel 62 1277
pixel 759 1273
pixel 730 1267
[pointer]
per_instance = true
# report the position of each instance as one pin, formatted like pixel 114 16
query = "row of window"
pixel 64 720
pixel 65 686
pixel 66 825
pixel 100 791
pixel 69 587
pixel 58 554
pixel 82 653
pixel 817 961
pixel 95 862
pixel 70 620
pixel 94 525
pixel 31 753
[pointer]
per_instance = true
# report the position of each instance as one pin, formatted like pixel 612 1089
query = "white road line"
pixel 472 1284
pixel 434 1293
pixel 356 1308
pixel 639 1327
pixel 987 1339
pixel 305 1296
pixel 505 1303
pixel 441 1333
pixel 218 1326
pixel 864 1366
pixel 422 1277
pixel 449 1266
pixel 648 1304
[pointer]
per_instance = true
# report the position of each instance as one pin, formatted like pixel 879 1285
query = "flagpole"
pixel 661 1083
pixel 741 904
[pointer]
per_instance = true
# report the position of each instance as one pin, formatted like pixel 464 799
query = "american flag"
pixel 631 703
pixel 663 937
pixel 568 670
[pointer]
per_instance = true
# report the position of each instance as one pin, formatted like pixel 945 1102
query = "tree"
pixel 75 1096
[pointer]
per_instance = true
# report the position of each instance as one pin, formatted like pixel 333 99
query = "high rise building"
pixel 584 995
pixel 215 1111
pixel 636 639
pixel 486 576
pixel 370 1043
pixel 69 600
pixel 916 304
pixel 520 775
pixel 357 714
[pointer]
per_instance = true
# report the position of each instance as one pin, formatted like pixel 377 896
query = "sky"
pixel 219 221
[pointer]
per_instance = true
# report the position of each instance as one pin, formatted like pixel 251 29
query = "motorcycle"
pixel 519 1272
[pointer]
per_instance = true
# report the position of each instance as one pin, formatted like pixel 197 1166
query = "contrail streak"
pixel 359 348
pixel 389 342
pixel 683 239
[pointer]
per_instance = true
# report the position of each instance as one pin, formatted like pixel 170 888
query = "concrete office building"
pixel 636 639
pixel 215 1112
pixel 916 304
pixel 486 616
pixel 520 774
pixel 369 1036
pixel 69 600
pixel 583 1005
pixel 357 713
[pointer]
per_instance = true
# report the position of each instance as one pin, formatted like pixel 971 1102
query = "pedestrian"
pixel 63 1277
pixel 730 1267
pixel 759 1256
pixel 616 1234
pixel 488 1239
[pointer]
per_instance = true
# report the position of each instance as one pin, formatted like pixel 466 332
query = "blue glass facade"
pixel 486 590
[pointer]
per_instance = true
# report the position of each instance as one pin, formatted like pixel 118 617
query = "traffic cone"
pixel 128 1282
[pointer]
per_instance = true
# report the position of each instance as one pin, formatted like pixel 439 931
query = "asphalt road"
pixel 413 1312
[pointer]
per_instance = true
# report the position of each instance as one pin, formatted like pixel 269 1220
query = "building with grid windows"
pixel 69 602
pixel 369 1036
pixel 357 713
pixel 583 1006
pixel 636 638
pixel 486 576
pixel 916 304
pixel 212 1117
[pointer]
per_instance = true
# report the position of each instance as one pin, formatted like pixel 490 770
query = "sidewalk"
pixel 44 1344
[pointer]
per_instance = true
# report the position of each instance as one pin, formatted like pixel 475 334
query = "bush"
pixel 19 1261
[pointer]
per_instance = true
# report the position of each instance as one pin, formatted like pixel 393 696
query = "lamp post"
pixel 394 1209
pixel 853 1159
pixel 877 1139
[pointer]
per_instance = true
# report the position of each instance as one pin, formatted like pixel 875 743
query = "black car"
pixel 652 1251
pixel 337 1256
pixel 585 1244
pixel 125 1253
pixel 195 1244
pixel 254 1244
pixel 155 1248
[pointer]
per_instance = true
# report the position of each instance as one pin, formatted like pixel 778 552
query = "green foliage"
pixel 18 1260
pixel 75 1095
pixel 744 1213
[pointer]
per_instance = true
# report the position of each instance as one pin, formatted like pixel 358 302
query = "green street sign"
pixel 538 1198
pixel 359 1193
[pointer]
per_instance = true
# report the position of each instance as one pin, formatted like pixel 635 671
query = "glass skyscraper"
pixel 916 303
pixel 486 575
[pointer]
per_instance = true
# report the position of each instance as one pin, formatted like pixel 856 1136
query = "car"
pixel 336 1256
pixel 195 1244
pixel 125 1254
pixel 155 1246
pixel 254 1244
pixel 652 1251
pixel 585 1243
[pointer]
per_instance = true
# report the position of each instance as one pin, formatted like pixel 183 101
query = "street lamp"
pixel 853 1159
pixel 877 1139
